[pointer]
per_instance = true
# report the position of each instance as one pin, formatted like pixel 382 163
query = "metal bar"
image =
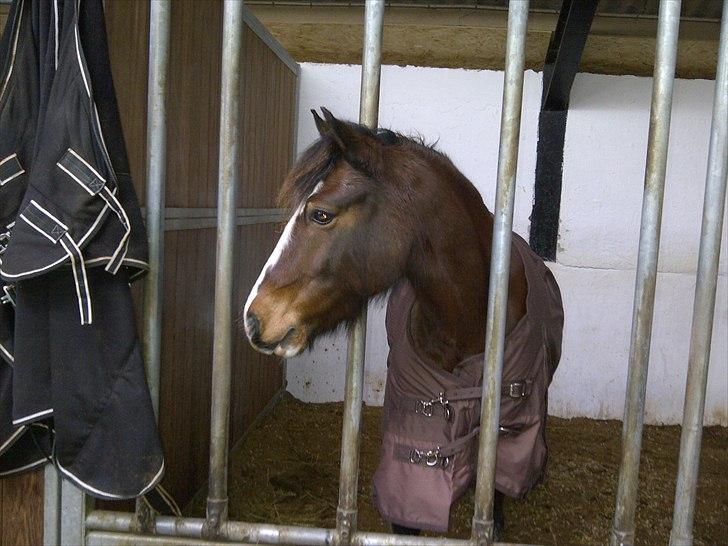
pixel 644 299
pixel 211 212
pixel 73 515
pixel 120 539
pixel 180 224
pixel 156 167
pixel 104 522
pixel 51 506
pixel 228 181
pixel 346 511
pixel 482 532
pixel 159 29
pixel 704 304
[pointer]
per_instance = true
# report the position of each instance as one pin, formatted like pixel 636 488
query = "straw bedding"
pixel 286 471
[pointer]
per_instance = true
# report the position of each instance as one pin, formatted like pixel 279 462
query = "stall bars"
pixel 76 526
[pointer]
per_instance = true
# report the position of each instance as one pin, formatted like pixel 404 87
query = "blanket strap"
pixel 91 181
pixel 57 232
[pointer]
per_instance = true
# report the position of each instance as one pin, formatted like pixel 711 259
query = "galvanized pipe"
pixel 156 167
pixel 499 270
pixel 346 511
pixel 159 29
pixel 228 181
pixel 704 304
pixel 644 298
pixel 52 506
pixel 104 522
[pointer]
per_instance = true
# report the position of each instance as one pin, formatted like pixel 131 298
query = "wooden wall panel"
pixel 127 25
pixel 267 125
pixel 187 350
pixel 269 115
pixel 21 510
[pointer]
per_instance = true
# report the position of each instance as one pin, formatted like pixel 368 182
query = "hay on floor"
pixel 287 472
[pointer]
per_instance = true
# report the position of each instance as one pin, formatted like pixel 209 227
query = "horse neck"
pixel 449 269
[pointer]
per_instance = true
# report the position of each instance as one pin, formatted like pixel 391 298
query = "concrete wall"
pixel 603 174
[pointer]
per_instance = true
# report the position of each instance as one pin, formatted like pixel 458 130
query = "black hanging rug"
pixel 72 382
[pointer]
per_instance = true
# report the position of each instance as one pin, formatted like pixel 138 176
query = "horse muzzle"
pixel 292 343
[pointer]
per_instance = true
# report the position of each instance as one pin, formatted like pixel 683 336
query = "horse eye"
pixel 321 217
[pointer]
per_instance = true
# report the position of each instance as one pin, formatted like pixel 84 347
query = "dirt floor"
pixel 287 472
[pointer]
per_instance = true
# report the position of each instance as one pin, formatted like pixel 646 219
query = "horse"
pixel 370 208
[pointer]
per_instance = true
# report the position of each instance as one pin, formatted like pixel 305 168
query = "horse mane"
pixel 317 161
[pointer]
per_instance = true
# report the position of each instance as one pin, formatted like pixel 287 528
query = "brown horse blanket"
pixel 429 452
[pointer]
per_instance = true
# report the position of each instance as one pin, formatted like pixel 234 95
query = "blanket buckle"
pixel 426 407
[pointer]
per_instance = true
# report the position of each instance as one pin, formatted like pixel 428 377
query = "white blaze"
pixel 278 250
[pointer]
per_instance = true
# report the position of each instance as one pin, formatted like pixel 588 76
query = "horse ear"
pixel 359 148
pixel 321 125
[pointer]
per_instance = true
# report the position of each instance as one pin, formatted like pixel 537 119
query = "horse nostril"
pixel 252 327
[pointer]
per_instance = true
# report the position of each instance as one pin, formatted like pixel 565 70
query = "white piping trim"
pixel 75 278
pixel 100 493
pixel 16 175
pixel 10 441
pixel 15 50
pixel 124 219
pixel 69 173
pixel 78 53
pixel 82 160
pixel 28 418
pixel 7 354
pixel 26 467
pixel 55 23
pixel 47 213
pixel 52 265
pixel 86 317
pixel 8 159
pixel 43 233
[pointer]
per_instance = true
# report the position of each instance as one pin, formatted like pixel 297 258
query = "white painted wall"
pixel 603 173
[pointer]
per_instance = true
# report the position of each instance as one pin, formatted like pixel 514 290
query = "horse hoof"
pixel 402 530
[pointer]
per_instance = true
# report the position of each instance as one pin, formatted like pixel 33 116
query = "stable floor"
pixel 287 469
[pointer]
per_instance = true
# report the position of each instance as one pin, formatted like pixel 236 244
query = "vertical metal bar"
pixel 159 31
pixel 159 25
pixel 644 298
pixel 74 508
pixel 51 506
pixel 482 532
pixel 704 304
pixel 346 512
pixel 228 181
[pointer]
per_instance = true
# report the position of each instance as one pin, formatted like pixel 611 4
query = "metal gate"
pixel 69 515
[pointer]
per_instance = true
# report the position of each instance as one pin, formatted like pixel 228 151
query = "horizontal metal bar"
pixel 123 539
pixel 268 39
pixel 179 219
pixel 110 525
pixel 180 224
pixel 211 212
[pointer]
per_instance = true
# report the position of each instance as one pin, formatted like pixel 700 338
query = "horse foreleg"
pixel 499 519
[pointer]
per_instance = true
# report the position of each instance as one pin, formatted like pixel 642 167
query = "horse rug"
pixel 72 382
pixel 431 416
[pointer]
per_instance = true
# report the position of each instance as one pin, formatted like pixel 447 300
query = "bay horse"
pixel 368 209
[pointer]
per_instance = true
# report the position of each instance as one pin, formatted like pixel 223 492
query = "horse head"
pixel 347 239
